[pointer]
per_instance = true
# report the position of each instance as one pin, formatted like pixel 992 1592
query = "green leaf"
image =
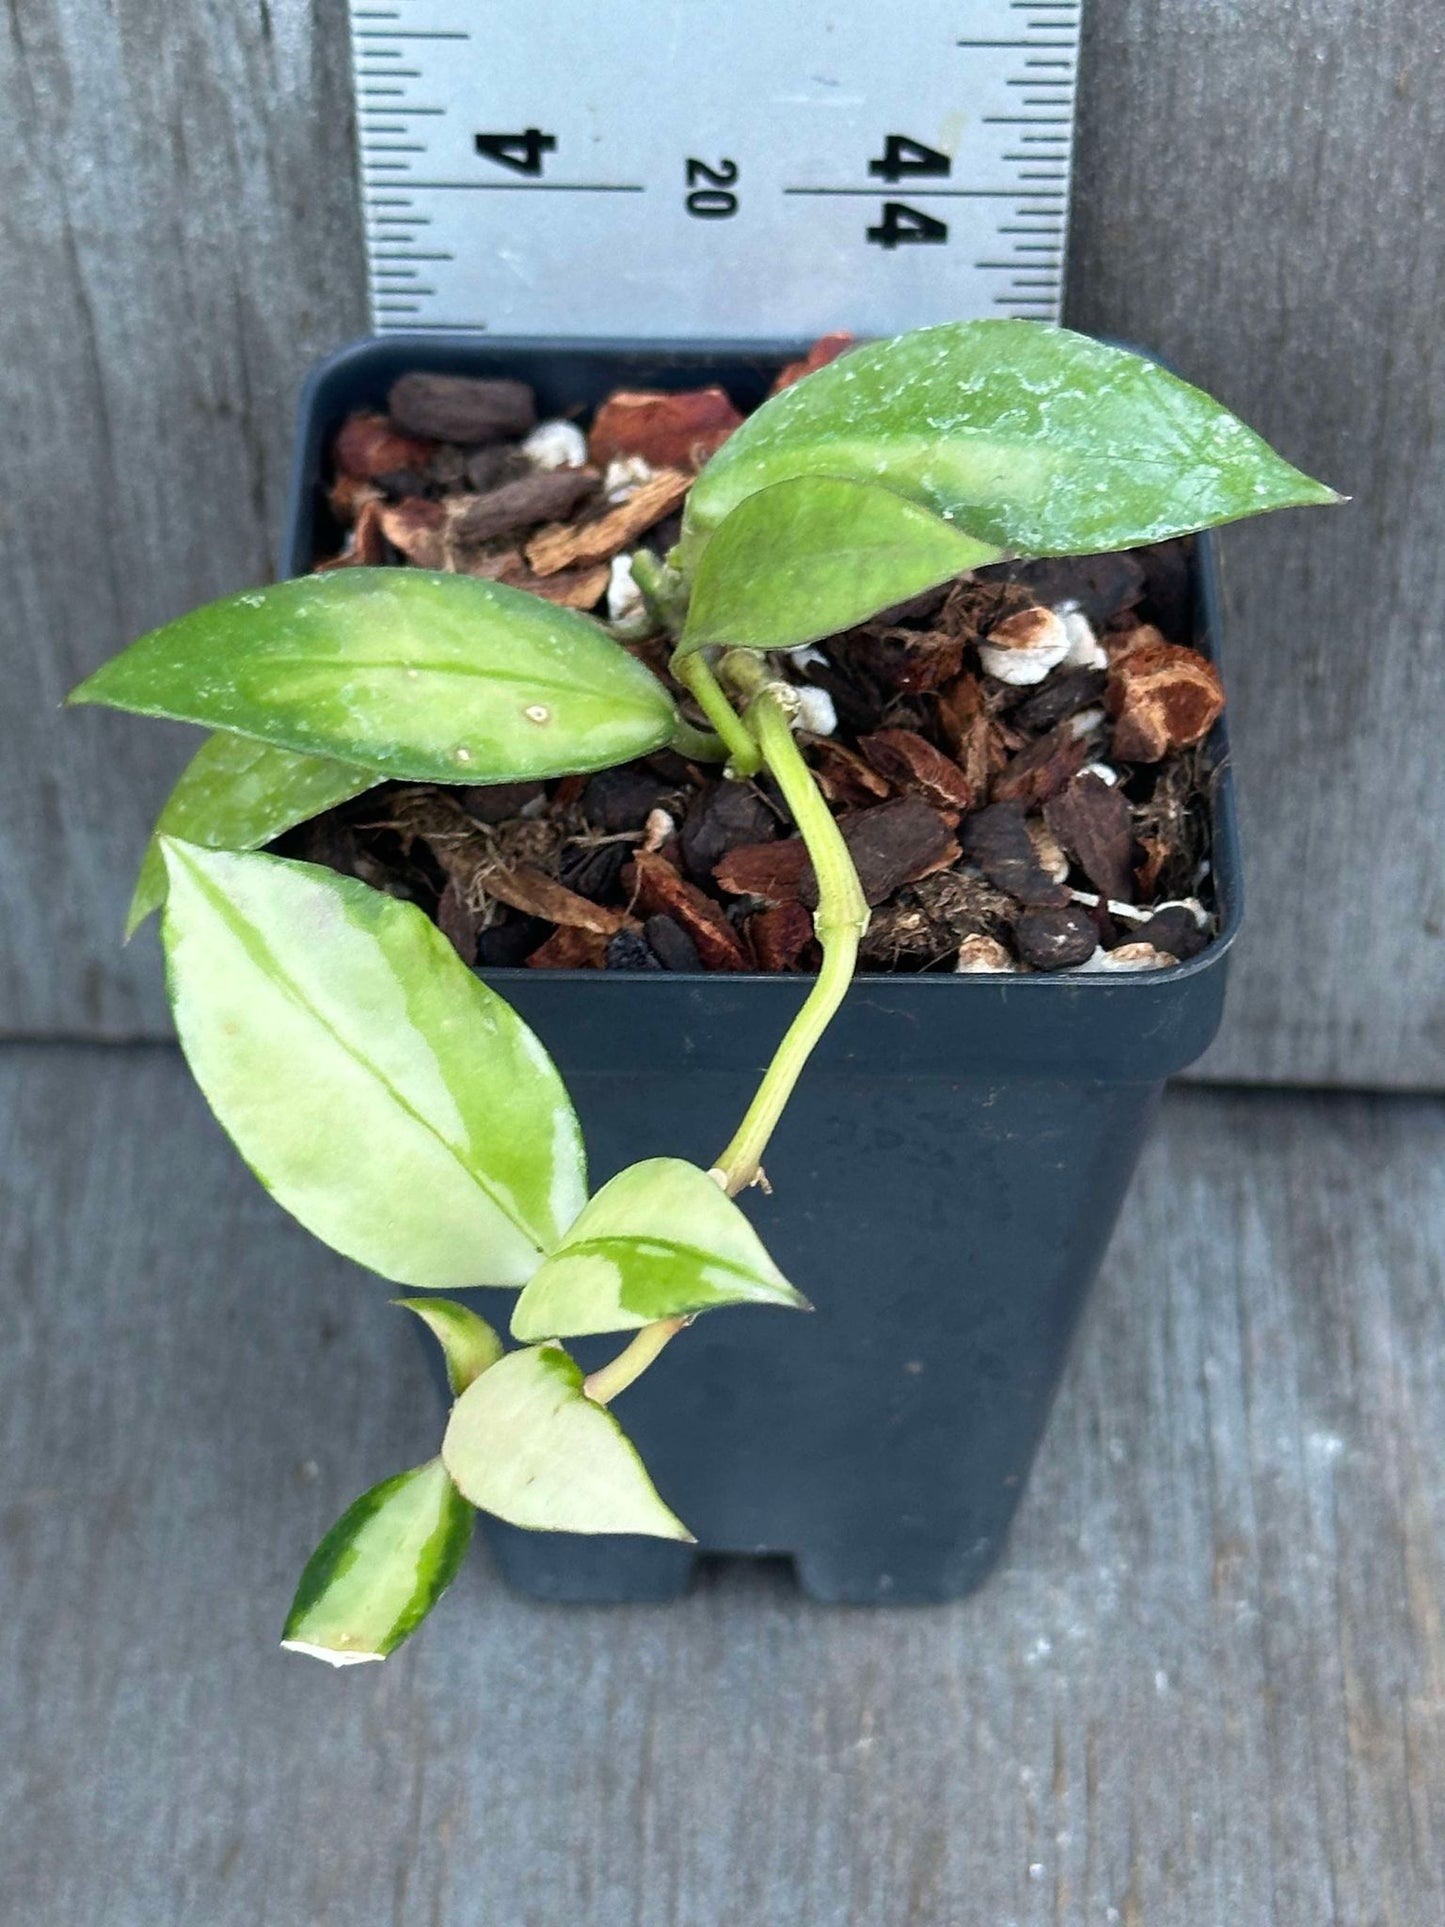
pixel 469 1345
pixel 236 794
pixel 661 1240
pixel 442 678
pixel 381 1568
pixel 1035 438
pixel 808 557
pixel 526 1443
pixel 389 1100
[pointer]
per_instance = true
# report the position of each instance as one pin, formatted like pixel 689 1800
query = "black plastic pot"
pixel 945 1180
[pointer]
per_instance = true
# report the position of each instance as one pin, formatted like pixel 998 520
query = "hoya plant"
pixel 393 1102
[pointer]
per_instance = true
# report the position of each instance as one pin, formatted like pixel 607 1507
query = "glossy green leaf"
pixel 381 1568
pixel 389 1100
pixel 445 678
pixel 661 1240
pixel 236 794
pixel 527 1444
pixel 808 557
pixel 1035 438
pixel 469 1345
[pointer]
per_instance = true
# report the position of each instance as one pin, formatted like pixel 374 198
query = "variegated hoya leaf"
pixel 442 678
pixel 380 1569
pixel 816 554
pixel 469 1345
pixel 236 794
pixel 526 1444
pixel 1033 438
pixel 661 1240
pixel 389 1100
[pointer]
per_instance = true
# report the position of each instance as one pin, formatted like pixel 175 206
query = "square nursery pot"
pixel 945 1180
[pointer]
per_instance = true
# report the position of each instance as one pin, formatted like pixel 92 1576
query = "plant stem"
pixel 697 745
pixel 663 590
pixel 603 1385
pixel 841 919
pixel 695 676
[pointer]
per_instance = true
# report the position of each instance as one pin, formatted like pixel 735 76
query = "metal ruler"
pixel 672 168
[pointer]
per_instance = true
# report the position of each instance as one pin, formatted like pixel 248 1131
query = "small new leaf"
pixel 431 677
pixel 527 1444
pixel 236 794
pixel 809 556
pixel 469 1345
pixel 1037 439
pixel 384 1096
pixel 661 1240
pixel 380 1569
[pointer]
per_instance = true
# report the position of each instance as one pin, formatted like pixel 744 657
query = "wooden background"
pixel 1259 190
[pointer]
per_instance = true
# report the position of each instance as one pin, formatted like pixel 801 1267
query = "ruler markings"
pixel 442 257
pixel 530 187
pixel 918 193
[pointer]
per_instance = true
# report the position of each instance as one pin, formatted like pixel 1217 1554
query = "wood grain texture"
pixel 1257 201
pixel 179 238
pixel 1255 187
pixel 1206 1690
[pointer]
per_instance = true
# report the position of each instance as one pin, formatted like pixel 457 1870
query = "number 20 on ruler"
pixel 710 185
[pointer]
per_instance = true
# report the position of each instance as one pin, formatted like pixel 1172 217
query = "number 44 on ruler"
pixel 550 172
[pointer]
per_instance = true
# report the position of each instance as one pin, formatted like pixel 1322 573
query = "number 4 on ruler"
pixel 902 155
pixel 901 158
pixel 521 152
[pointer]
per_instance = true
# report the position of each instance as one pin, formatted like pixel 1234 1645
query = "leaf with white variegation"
pixel 389 1100
pixel 660 1240
pixel 235 794
pixel 807 557
pixel 526 1444
pixel 1034 438
pixel 442 678
pixel 380 1569
pixel 469 1345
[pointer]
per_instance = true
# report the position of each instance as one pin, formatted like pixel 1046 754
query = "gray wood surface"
pixel 179 239
pixel 1256 186
pixel 1258 201
pixel 1207 1689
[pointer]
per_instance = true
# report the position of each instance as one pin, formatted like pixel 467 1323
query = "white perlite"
pixel 815 711
pixel 556 445
pixel 1023 648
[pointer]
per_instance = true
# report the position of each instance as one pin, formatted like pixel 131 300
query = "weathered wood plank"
pixel 179 238
pixel 1207 1690
pixel 1253 183
pixel 178 218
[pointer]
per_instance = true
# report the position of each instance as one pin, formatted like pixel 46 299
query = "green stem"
pixel 697 745
pixel 841 919
pixel 663 590
pixel 695 676
pixel 603 1385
